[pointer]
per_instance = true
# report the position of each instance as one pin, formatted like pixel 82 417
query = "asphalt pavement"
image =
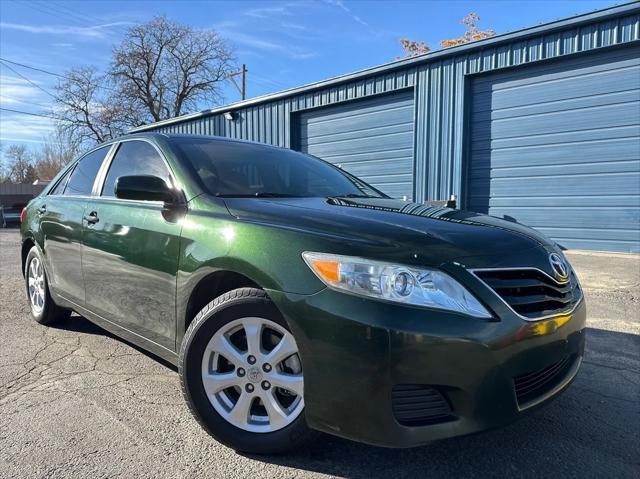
pixel 77 402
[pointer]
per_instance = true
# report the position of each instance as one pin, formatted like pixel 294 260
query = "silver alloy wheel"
pixel 252 375
pixel 35 278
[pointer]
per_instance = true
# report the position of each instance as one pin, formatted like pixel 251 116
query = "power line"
pixel 18 100
pixel 30 113
pixel 4 60
pixel 43 8
pixel 31 68
pixel 25 78
pixel 72 13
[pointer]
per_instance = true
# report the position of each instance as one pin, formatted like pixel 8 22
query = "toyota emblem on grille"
pixel 559 266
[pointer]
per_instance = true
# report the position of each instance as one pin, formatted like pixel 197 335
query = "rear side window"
pixel 83 176
pixel 59 189
pixel 135 158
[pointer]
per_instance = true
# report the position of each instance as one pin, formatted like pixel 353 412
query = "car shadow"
pixel 80 324
pixel 590 430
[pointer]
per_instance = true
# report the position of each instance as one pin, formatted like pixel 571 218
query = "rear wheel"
pixel 43 309
pixel 242 376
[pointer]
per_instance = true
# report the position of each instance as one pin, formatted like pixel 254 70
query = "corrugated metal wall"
pixel 557 147
pixel 372 139
pixel 439 84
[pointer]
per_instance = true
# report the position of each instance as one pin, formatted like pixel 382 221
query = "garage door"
pixel 373 139
pixel 557 147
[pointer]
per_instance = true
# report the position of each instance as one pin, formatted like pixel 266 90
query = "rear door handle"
pixel 92 218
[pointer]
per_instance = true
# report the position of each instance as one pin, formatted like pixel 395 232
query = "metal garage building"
pixel 541 125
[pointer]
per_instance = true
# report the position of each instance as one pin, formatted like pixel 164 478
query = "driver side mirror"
pixel 145 188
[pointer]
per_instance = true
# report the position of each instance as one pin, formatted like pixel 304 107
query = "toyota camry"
pixel 294 297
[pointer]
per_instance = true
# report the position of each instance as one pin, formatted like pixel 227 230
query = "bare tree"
pixel 89 112
pixel 4 168
pixel 58 150
pixel 412 48
pixel 160 70
pixel 167 68
pixel 21 169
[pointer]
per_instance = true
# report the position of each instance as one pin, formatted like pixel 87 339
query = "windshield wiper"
pixel 268 194
pixel 354 195
pixel 259 194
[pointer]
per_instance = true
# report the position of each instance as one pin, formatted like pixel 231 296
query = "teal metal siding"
pixel 373 139
pixel 557 147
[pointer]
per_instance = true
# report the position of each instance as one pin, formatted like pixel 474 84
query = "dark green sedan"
pixel 295 297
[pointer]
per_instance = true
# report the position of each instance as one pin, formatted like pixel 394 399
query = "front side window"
pixel 135 158
pixel 227 168
pixel 84 174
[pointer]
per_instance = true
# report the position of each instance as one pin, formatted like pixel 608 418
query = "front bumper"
pixel 355 350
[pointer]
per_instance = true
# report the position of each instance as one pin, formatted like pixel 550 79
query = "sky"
pixel 283 43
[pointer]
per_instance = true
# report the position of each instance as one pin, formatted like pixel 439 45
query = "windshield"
pixel 227 168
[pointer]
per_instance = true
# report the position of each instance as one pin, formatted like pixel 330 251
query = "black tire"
pixel 50 312
pixel 243 302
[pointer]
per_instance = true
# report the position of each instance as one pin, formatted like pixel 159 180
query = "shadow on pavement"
pixel 79 324
pixel 592 429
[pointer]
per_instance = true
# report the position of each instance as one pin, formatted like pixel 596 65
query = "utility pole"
pixel 242 90
pixel 244 81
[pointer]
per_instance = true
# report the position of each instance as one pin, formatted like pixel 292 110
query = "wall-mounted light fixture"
pixel 230 115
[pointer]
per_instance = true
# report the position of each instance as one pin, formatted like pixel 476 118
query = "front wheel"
pixel 242 376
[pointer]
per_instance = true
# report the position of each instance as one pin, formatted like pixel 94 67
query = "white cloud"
pixel 341 5
pixel 95 31
pixel 17 94
pixel 259 43
pixel 63 45
pixel 14 90
pixel 15 127
pixel 294 26
pixel 265 12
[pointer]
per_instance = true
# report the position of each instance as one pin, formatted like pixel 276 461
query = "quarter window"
pixel 135 158
pixel 59 189
pixel 83 176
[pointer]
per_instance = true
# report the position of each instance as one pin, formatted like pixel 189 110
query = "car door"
pixel 60 221
pixel 130 250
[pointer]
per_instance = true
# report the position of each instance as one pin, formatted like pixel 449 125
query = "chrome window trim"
pixel 77 162
pixel 525 318
pixel 104 171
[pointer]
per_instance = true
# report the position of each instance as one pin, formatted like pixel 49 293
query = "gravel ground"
pixel 77 402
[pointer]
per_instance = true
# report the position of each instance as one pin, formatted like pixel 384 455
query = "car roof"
pixel 170 136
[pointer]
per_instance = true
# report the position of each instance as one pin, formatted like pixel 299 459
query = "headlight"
pixel 392 282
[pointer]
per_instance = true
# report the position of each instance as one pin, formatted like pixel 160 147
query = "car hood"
pixel 408 230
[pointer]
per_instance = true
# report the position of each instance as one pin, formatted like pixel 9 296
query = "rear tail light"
pixel 23 214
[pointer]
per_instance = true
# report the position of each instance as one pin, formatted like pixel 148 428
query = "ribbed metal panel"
pixel 372 138
pixel 557 147
pixel 439 82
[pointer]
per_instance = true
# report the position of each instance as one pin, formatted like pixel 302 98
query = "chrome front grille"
pixel 532 293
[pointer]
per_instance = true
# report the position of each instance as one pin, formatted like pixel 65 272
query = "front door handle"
pixel 92 218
